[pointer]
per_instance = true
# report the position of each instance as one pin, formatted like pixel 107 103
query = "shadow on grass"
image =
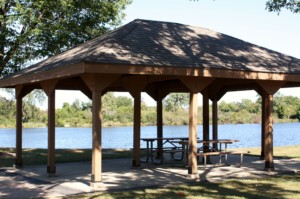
pixel 39 156
pixel 252 188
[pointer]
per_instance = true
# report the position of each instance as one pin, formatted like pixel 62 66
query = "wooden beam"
pixel 191 71
pixel 193 116
pixel 196 84
pixel 221 86
pixel 21 91
pixel 99 82
pixel 157 93
pixel 61 72
pixel 49 86
pixel 103 68
pixel 134 84
pixel 271 87
pixel 87 92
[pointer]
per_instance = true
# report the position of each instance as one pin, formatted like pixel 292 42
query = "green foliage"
pixel 77 114
pixel 176 101
pixel 278 5
pixel 118 111
pixel 108 106
pixel 31 113
pixel 286 107
pixel 180 117
pixel 148 116
pixel 32 30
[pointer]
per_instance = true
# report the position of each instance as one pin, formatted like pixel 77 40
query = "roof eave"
pixel 62 72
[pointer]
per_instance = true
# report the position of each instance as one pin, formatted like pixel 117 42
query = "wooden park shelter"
pixel 157 58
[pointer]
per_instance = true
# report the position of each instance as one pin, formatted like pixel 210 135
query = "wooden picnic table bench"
pixel 220 154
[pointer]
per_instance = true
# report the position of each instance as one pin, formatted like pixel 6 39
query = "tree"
pixel 124 101
pixel 176 101
pixel 31 30
pixel 108 105
pixel 278 5
pixel 286 106
pixel 250 106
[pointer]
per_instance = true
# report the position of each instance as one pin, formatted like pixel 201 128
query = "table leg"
pixel 226 159
pixel 148 153
pixel 151 144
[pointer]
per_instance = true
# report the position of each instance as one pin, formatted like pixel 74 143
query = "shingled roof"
pixel 163 44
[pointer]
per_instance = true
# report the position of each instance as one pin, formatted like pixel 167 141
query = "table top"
pixel 225 141
pixel 229 141
pixel 166 138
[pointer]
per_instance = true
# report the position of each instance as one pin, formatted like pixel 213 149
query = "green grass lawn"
pixel 39 156
pixel 283 186
pixel 279 151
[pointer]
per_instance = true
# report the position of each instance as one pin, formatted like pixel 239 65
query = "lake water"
pixel 122 137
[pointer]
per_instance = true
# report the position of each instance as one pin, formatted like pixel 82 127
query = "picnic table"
pixel 173 148
pixel 208 150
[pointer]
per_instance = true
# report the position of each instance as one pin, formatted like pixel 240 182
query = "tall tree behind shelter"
pixel 278 5
pixel 31 30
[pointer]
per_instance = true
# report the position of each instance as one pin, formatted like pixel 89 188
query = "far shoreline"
pixel 277 121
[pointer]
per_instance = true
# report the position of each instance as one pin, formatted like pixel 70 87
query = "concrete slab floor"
pixel 74 178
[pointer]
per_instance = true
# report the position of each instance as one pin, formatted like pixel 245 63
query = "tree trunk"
pixel 2 63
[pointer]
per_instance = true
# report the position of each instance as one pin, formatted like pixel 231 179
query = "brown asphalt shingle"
pixel 154 43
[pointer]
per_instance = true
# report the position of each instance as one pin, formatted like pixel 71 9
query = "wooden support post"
pixel 269 88
pixel 263 125
pixel 49 89
pixel 215 122
pixel 205 115
pixel 196 85
pixel 193 116
pixel 96 84
pixel 51 168
pixel 158 95
pixel 19 155
pixel 136 162
pixel 21 91
pixel 159 112
pixel 96 139
pixel 135 85
pixel 269 164
pixel 205 119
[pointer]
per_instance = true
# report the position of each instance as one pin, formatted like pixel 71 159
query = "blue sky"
pixel 246 20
